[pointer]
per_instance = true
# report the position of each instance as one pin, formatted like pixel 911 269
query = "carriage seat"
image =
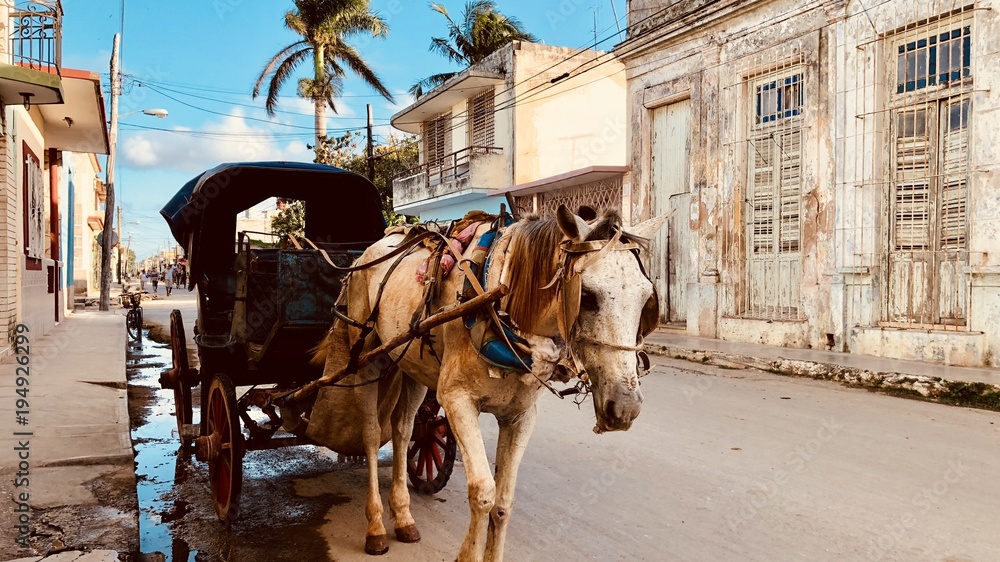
pixel 278 288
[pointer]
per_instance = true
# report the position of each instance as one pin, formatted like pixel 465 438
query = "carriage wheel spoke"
pixel 430 466
pixel 420 462
pixel 438 462
pixel 440 441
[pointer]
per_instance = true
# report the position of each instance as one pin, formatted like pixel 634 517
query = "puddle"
pixel 154 438
pixel 176 519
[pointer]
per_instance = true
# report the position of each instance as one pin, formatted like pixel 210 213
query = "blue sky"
pixel 208 53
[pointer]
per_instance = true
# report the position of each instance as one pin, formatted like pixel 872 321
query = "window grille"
pixel 601 195
pixel 928 182
pixel 481 112
pixel 902 193
pixel 34 210
pixel 774 189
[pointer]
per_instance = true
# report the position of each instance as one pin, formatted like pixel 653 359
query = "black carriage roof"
pixel 341 206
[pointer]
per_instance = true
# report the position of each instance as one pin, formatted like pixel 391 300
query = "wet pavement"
pixel 177 519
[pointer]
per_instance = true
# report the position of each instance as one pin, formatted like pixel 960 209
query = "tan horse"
pixel 612 293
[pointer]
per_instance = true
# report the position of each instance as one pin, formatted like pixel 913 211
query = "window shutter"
pixel 913 173
pixel 480 110
pixel 954 175
pixel 790 191
pixel 762 190
pixel 437 140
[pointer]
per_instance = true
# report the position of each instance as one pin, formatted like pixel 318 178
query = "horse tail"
pixel 322 349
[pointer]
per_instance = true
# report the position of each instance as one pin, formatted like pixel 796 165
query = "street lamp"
pixel 158 113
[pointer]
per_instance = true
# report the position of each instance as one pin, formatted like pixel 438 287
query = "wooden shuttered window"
pixel 913 176
pixel 481 123
pixel 774 158
pixel 929 229
pixel 437 139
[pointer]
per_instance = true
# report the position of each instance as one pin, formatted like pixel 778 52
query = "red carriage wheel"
pixel 222 447
pixel 431 456
pixel 178 377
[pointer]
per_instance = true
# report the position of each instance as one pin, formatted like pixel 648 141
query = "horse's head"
pixel 608 305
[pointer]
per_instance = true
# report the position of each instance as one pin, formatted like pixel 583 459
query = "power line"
pixel 150 84
pixel 529 94
pixel 192 106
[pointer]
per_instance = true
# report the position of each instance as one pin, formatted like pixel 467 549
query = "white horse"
pixel 577 295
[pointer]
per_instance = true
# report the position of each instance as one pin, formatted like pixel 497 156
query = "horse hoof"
pixel 376 545
pixel 408 533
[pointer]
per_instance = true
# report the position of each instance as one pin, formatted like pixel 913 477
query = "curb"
pixel 979 395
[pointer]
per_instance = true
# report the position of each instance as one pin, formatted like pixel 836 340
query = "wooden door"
pixel 670 163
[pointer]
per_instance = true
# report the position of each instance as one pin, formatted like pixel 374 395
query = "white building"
pixel 518 125
pixel 835 166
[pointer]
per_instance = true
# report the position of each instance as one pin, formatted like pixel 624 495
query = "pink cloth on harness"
pixel 458 243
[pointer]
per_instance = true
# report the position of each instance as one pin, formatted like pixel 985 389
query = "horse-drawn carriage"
pixel 542 301
pixel 264 303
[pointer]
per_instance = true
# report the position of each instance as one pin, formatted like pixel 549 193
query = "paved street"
pixel 722 465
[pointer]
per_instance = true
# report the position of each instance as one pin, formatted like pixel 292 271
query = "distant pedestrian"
pixel 168 278
pixel 154 278
pixel 143 277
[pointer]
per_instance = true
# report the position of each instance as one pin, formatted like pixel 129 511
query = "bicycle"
pixel 132 301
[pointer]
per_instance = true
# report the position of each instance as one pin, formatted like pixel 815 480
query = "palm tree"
pixel 325 26
pixel 483 30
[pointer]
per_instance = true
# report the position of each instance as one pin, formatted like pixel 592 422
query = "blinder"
pixel 571 284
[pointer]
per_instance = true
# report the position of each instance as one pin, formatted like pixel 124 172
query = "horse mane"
pixel 532 258
pixel 532 264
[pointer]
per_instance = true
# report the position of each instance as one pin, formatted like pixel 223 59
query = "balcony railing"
pixel 36 35
pixel 451 167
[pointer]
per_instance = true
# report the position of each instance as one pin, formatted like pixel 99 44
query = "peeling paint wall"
pixel 712 53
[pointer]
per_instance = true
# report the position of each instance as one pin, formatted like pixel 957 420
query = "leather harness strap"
pixel 404 246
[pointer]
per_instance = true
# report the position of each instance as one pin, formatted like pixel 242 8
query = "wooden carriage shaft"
pixel 423 327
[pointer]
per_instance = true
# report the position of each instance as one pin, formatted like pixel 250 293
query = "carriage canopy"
pixel 341 207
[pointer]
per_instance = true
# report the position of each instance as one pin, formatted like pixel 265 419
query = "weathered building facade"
pixel 44 110
pixel 532 122
pixel 834 165
pixel 85 194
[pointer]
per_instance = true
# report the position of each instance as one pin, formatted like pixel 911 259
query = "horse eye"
pixel 588 301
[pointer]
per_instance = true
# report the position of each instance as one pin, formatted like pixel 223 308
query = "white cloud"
pixel 233 139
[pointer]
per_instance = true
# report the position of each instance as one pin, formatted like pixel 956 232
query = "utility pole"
pixel 109 206
pixel 371 147
pixel 119 244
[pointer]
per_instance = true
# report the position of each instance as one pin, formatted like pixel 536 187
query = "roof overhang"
pixel 40 86
pixel 78 124
pixel 581 176
pixel 442 98
pixel 425 205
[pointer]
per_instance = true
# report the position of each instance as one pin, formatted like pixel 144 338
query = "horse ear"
pixel 586 213
pixel 648 229
pixel 572 225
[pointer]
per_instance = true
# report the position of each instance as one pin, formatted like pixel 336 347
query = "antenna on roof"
pixel 617 21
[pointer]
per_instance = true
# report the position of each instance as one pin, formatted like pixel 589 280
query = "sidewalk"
pixel 963 386
pixel 81 493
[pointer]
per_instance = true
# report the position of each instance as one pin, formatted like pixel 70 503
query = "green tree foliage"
pixel 481 31
pixel 291 219
pixel 325 27
pixel 392 159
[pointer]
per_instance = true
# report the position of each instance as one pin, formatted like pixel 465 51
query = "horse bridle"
pixel 568 281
